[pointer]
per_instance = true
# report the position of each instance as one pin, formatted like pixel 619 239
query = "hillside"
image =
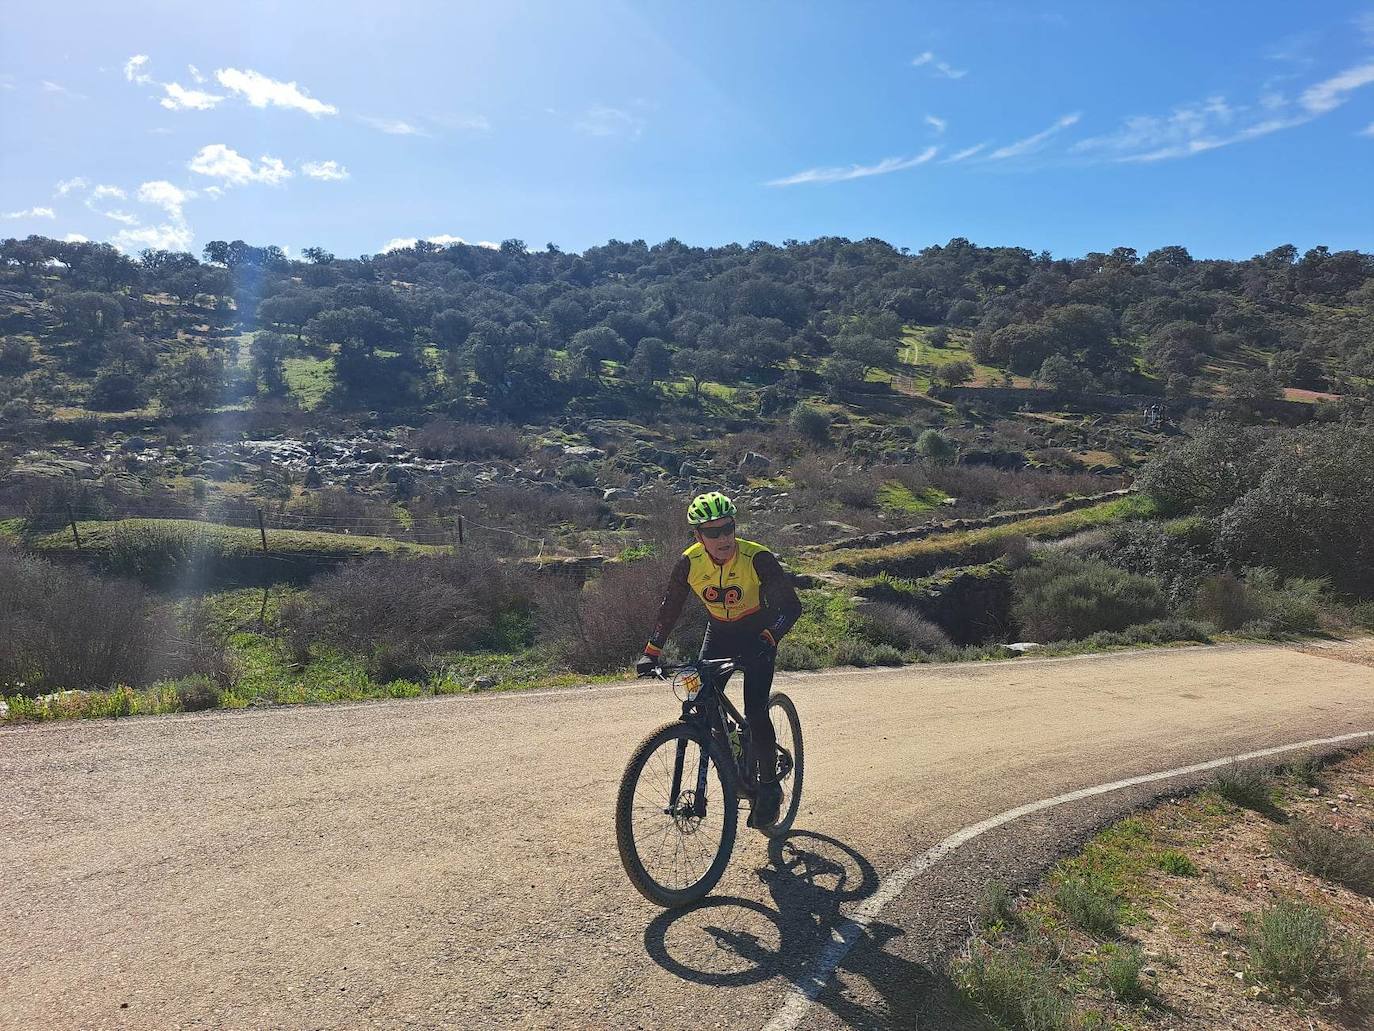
pixel 560 408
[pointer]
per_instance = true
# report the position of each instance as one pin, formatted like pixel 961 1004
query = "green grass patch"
pixel 309 379
pixel 897 497
pixel 1172 861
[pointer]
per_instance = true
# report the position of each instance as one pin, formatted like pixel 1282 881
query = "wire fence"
pixel 451 530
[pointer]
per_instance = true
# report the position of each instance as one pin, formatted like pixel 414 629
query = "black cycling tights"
pixel 726 642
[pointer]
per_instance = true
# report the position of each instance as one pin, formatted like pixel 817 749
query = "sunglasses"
pixel 713 532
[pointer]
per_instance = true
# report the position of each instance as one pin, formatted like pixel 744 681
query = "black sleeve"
pixel 671 608
pixel 780 599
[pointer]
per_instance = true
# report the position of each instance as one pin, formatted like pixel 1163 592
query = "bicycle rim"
pixel 675 850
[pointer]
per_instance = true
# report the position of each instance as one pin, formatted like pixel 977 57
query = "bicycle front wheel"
pixel 782 713
pixel 675 816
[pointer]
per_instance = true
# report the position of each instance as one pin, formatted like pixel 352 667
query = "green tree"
pixel 269 352
pixel 651 362
pixel 954 373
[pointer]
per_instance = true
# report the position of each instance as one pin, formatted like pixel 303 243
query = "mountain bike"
pixel 678 804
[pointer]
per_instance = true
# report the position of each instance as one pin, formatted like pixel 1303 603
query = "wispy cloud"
pixel 964 154
pixel 610 121
pixel 56 87
pixel 179 98
pixel 393 126
pixel 936 122
pixel 1213 123
pixel 76 238
pixel 104 192
pixel 1033 143
pixel 401 243
pixel 844 173
pixel 929 60
pixel 30 213
pixel 1333 92
pixel 217 161
pixel 326 170
pixel 1368 130
pixel 469 123
pixel 261 91
pixel 66 186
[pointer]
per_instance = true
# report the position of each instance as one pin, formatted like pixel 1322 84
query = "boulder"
pixel 313 478
pixel 135 445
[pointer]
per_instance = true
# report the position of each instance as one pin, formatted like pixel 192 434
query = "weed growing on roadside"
pixel 1346 859
pixel 1121 973
pixel 996 907
pixel 1293 944
pixel 1246 787
pixel 1017 989
pixel 1090 902
pixel 1172 861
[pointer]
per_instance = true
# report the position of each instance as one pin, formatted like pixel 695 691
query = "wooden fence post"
pixel 71 521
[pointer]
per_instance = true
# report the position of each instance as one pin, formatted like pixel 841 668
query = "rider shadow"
pixel 732 942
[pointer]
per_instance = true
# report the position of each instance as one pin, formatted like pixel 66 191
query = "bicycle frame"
pixel 707 710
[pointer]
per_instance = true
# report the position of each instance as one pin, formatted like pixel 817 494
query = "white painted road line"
pixel 843 936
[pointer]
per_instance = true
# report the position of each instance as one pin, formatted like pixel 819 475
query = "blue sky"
pixel 1229 128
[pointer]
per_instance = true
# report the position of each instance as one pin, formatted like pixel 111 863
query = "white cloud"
pixel 179 98
pixel 935 122
pixel 76 238
pixel 964 154
pixel 393 126
pixel 609 121
pixel 218 161
pixel 1331 94
pixel 1368 130
pixel 122 217
pixel 213 192
pixel 163 194
pixel 1031 143
pixel 66 186
pixel 31 213
pixel 102 191
pixel 401 243
pixel 326 170
pixel 847 172
pixel 168 237
pixel 194 72
pixel 929 60
pixel 133 69
pixel 260 91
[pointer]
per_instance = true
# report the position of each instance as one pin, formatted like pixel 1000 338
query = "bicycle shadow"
pixel 729 941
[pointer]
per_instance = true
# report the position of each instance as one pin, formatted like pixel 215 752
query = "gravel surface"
pixel 451 862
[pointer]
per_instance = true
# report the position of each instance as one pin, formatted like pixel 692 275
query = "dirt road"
pixel 451 862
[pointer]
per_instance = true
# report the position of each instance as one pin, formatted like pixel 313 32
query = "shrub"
pixel 935 447
pixel 399 615
pixel 197 693
pixel 1247 787
pixel 1121 973
pixel 1346 859
pixel 1064 598
pixel 1157 631
pixel 1225 601
pixel 794 654
pixel 1172 861
pixel 16 355
pixel 1292 943
pixel 1016 988
pixel 115 391
pixel 1178 555
pixel 65 628
pixel 601 626
pixel 579 474
pixel 902 628
pixel 444 438
pixel 810 423
pixel 1090 902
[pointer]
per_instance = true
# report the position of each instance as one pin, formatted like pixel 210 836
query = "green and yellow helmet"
pixel 706 507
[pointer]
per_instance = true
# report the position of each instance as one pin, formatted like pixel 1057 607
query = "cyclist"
pixel 750 603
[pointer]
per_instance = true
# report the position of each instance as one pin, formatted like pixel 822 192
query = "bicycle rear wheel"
pixel 675 816
pixel 782 713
